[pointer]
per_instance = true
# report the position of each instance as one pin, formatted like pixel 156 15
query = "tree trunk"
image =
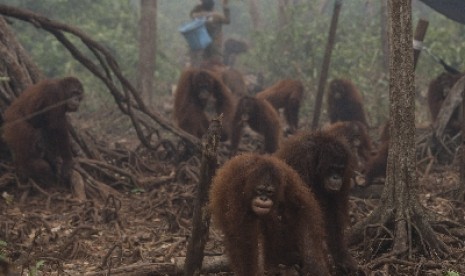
pixel 255 15
pixel 201 216
pixel 461 152
pixel 326 63
pixel 401 182
pixel 450 103
pixel 461 192
pixel 147 49
pixel 323 5
pixel 400 210
pixel 420 32
pixel 17 70
pixel 283 6
pixel 384 35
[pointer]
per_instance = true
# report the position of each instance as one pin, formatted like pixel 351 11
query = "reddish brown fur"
pixel 234 80
pixel 345 102
pixel 262 118
pixel 291 233
pixel 189 107
pixel 286 94
pixel 384 134
pixel 357 136
pixel 376 166
pixel 316 157
pixel 437 93
pixel 36 129
pixel 233 47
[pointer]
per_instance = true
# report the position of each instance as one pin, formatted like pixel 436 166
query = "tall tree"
pixel 400 210
pixel 461 191
pixel 147 48
pixel 384 39
pixel 255 14
pixel 283 10
pixel 17 70
pixel 326 62
pixel 461 152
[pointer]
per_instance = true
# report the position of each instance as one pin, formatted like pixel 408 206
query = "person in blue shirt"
pixel 213 53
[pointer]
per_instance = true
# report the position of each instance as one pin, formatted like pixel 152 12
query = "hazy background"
pixel 277 51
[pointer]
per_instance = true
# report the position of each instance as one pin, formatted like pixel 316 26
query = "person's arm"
pixel 217 17
pixel 226 13
pixel 194 11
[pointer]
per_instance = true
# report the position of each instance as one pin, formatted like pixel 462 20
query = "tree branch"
pixel 126 96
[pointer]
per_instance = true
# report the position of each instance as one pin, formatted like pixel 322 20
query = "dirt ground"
pixel 49 232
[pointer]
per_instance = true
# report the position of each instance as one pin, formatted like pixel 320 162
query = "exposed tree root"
pixel 100 166
pixel 211 264
pixel 392 260
pixel 413 234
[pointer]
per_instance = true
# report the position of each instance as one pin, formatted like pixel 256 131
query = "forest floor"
pixel 54 234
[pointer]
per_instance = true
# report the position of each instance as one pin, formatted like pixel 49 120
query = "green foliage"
pixel 138 191
pixel 294 50
pixel 33 271
pixel 99 19
pixel 3 245
pixel 451 273
pixel 105 22
pixel 297 49
pixel 8 200
pixel 114 24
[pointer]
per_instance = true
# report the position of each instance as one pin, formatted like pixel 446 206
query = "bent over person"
pixel 214 23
